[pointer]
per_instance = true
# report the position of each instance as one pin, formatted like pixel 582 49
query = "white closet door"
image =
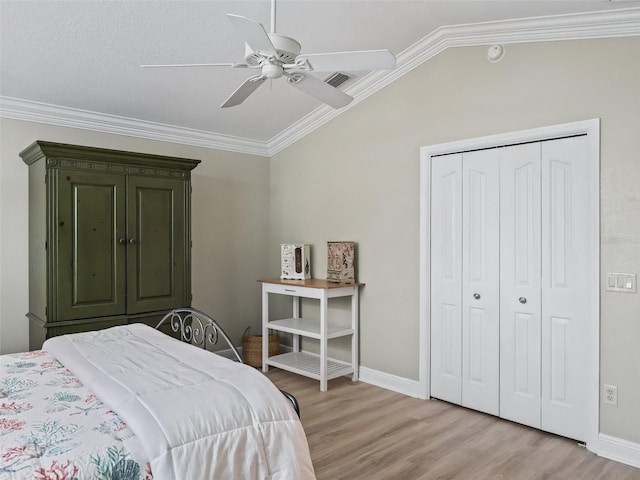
pixel 566 269
pixel 481 280
pixel 520 303
pixel 446 270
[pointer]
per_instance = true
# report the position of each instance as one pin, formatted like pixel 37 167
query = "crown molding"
pixel 592 25
pixel 581 26
pixel 19 109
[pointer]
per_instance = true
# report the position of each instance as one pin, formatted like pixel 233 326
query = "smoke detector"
pixel 495 53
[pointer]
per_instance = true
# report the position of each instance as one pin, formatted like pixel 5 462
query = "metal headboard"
pixel 199 329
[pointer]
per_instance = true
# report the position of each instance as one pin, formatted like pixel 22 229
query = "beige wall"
pixel 229 215
pixel 357 178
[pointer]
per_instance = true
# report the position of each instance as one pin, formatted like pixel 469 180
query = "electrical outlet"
pixel 611 394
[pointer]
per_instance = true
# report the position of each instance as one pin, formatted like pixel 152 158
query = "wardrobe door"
pixel 520 301
pixel 481 280
pixel 566 269
pixel 156 255
pixel 88 276
pixel 446 270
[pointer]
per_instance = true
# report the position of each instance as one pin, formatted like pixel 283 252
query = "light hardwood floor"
pixel 357 431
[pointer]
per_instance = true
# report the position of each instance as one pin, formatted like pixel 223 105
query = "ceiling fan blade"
pixel 320 90
pixel 243 91
pixel 233 65
pixel 349 61
pixel 253 33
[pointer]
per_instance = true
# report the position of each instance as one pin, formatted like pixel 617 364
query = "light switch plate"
pixel 621 282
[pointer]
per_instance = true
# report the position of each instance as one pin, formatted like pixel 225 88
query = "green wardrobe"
pixel 109 238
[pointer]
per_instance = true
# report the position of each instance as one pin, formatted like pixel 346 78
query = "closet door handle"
pixel 132 241
pixel 522 300
pixel 476 296
pixel 122 241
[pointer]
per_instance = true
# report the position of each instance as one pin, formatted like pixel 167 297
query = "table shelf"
pixel 308 328
pixel 308 365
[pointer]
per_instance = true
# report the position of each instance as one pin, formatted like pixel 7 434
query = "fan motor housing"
pixel 288 49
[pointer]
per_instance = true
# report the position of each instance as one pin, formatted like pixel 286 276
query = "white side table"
pixel 317 367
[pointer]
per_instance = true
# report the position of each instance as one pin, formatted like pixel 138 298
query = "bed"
pixel 134 403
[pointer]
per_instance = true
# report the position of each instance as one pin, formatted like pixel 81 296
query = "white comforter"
pixel 197 415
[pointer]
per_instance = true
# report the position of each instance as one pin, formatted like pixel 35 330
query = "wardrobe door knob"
pixel 522 300
pixel 122 241
pixel 476 296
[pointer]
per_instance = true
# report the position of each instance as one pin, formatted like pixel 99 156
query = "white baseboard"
pixel 228 353
pixel 390 382
pixel 367 375
pixel 617 449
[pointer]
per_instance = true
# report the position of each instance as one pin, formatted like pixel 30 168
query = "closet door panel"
pixel 446 270
pixel 520 302
pixel 566 270
pixel 480 280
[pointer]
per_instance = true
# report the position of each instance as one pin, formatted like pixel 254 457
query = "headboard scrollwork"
pixel 197 328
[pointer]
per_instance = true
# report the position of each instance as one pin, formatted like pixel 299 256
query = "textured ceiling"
pixel 86 54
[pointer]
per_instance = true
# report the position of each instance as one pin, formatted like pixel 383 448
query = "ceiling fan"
pixel 277 56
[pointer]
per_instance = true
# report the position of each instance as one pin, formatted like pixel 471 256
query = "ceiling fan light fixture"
pixel 271 71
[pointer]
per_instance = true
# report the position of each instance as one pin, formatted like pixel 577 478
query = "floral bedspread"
pixel 53 428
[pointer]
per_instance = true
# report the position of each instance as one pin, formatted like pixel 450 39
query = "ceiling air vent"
pixel 336 79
